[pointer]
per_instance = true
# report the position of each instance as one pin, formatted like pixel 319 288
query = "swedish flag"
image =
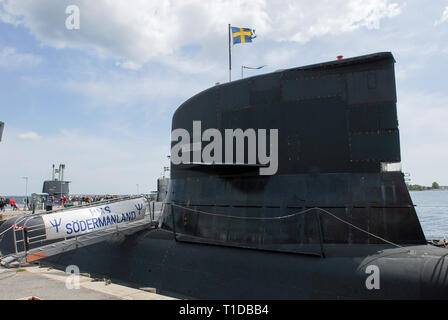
pixel 242 35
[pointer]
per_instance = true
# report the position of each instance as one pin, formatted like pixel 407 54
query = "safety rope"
pixel 289 216
pixel 431 206
pixel 358 228
pixel 19 220
pixel 4 231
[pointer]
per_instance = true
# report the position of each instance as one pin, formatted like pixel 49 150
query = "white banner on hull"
pixel 84 220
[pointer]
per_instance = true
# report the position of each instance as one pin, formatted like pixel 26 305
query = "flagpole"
pixel 230 58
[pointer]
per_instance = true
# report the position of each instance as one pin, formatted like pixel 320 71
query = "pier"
pixel 35 282
pixel 27 279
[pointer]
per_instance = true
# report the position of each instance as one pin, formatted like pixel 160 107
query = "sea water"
pixel 432 211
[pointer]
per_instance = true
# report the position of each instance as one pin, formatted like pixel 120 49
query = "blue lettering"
pixel 107 209
pixel 89 224
pixel 139 207
pixel 83 225
pixel 56 224
pixel 95 222
pixel 68 226
pixel 77 224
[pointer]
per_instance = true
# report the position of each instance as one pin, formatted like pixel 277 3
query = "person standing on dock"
pixel 12 202
pixel 2 204
pixel 26 204
pixel 49 203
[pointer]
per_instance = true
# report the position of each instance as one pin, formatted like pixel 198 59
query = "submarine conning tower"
pixel 337 134
pixel 56 187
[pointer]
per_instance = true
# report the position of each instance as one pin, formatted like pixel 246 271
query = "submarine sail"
pixel 337 129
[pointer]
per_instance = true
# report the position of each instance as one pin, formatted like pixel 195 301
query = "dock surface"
pixel 46 283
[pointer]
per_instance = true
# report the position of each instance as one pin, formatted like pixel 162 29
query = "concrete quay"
pixel 32 282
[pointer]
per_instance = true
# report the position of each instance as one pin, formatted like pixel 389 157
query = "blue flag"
pixel 242 35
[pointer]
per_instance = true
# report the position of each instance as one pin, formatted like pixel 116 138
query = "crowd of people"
pixel 76 200
pixel 49 203
pixel 4 203
pixel 52 201
pixel 89 199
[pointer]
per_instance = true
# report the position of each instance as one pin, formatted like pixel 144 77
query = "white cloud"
pixel 11 59
pixel 424 112
pixel 300 21
pixel 408 70
pixel 136 33
pixel 96 163
pixel 280 57
pixel 128 65
pixel 443 18
pixel 423 133
pixel 118 89
pixel 31 135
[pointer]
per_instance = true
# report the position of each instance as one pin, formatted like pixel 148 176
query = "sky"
pixel 100 98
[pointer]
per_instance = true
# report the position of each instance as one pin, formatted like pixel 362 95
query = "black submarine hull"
pixel 201 271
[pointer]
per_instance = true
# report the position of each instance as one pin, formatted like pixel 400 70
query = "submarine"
pixel 56 187
pixel 283 186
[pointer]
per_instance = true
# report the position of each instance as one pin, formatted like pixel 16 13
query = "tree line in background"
pixel 434 186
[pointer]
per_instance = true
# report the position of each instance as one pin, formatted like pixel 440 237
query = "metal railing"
pixel 96 203
pixel 23 234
